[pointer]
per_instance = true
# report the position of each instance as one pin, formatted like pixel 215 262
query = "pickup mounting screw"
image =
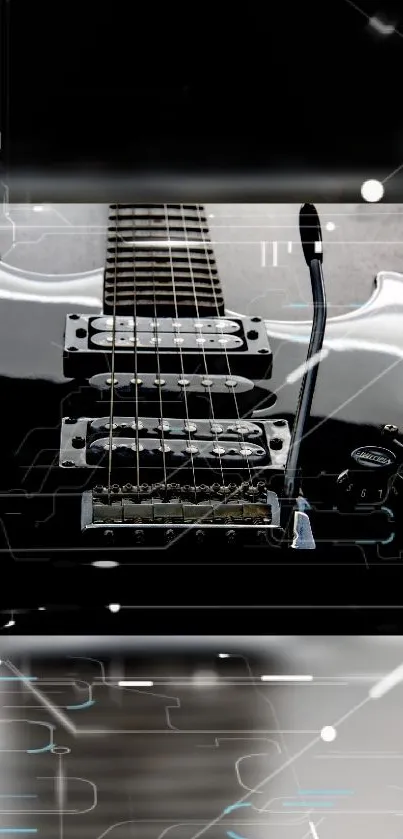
pixel 252 334
pixel 231 536
pixel 199 536
pixel 81 333
pixel 139 537
pixel 68 463
pixel 390 429
pixel 78 442
pixel 70 420
pixel 276 443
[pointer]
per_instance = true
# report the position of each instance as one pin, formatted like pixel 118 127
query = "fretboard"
pixel 160 261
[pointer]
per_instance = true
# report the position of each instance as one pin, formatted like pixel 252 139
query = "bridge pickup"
pixel 168 445
pixel 191 345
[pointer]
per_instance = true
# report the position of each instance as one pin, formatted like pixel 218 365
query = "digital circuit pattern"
pixel 301 738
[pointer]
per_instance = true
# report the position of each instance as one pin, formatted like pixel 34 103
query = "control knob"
pixel 368 478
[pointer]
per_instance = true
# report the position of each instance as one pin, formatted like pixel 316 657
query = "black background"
pixel 289 88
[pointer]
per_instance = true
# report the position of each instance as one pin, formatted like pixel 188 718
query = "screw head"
pixel 390 429
pixel 78 442
pixel 68 463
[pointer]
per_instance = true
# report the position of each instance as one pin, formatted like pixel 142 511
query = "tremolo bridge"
pixel 158 514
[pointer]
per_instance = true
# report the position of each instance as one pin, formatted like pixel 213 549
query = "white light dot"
pixel 330 225
pixel 114 607
pixel 211 215
pixel 328 733
pixel 105 563
pixel 41 608
pixel 223 655
pixel 38 208
pixel 372 191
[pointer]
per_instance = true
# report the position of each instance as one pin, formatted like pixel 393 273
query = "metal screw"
pixel 276 443
pixel 390 429
pixel 78 442
pixel 231 536
pixel 68 463
pixel 70 420
pixel 252 334
pixel 81 333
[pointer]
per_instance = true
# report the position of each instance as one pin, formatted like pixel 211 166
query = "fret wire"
pixel 185 250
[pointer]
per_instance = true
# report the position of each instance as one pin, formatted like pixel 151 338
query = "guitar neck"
pixel 160 261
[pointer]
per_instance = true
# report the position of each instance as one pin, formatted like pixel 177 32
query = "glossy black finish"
pixel 358 391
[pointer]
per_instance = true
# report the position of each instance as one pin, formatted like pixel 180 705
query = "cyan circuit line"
pixel 18 679
pixel 39 751
pixel 235 806
pixel 18 796
pixel 18 830
pixel 233 835
pixel 86 704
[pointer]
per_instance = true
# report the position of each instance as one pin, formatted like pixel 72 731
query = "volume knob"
pixel 366 481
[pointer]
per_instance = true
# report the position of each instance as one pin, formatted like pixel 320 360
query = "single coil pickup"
pixel 127 451
pixel 125 510
pixel 162 325
pixel 177 394
pixel 165 341
pixel 182 429
pixel 135 386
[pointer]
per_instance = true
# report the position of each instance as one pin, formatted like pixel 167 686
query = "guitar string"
pixel 158 377
pixel 178 342
pixel 202 341
pixel 113 359
pixel 135 347
pixel 225 350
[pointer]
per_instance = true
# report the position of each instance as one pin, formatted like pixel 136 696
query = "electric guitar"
pixel 181 434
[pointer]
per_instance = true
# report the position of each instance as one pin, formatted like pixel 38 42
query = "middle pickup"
pixel 172 394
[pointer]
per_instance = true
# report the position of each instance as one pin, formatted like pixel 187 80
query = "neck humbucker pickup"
pixel 217 345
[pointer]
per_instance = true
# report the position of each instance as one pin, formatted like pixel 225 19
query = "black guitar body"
pixel 153 469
